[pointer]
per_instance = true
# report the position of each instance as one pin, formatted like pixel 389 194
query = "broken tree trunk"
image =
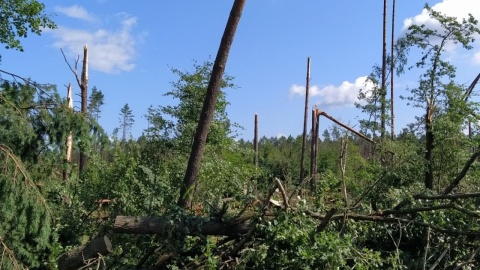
pixel 82 255
pixel 346 127
pixel 69 141
pixel 190 226
pixel 305 119
pixel 208 109
pixel 84 94
pixel 255 143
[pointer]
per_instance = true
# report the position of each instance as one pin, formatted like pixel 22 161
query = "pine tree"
pixel 126 121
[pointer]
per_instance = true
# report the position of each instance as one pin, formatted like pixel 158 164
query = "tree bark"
pixel 84 94
pixel 305 119
pixel 69 142
pixel 193 226
pixel 384 71
pixel 208 110
pixel 81 255
pixel 392 69
pixel 429 146
pixel 255 142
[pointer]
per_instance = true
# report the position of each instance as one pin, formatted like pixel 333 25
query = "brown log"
pixel 81 255
pixel 196 225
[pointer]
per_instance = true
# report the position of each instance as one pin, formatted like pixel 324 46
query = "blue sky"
pixel 133 46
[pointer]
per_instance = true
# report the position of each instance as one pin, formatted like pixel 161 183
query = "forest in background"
pixel 375 201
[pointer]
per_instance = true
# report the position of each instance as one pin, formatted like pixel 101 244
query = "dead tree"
pixel 208 109
pixel 255 142
pixel 314 149
pixel 305 118
pixel 69 141
pixel 83 84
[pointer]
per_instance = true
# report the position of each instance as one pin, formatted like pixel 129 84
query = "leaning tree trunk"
pixel 208 110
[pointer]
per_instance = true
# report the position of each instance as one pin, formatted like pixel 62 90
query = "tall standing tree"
pixel 435 84
pixel 383 93
pixel 126 121
pixel 96 101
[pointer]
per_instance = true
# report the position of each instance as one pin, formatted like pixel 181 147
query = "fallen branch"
pixel 462 173
pixel 447 197
pixel 358 217
pixel 190 226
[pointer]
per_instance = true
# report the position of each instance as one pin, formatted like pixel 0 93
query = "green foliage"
pixel 17 18
pixel 95 102
pixel 27 230
pixel 126 121
pixel 190 91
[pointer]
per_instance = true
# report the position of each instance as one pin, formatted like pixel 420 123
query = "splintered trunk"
pixel 305 119
pixel 84 94
pixel 384 79
pixel 208 109
pixel 429 146
pixel 69 142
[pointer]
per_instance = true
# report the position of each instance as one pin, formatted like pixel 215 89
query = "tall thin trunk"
pixel 84 94
pixel 392 69
pixel 384 78
pixel 255 142
pixel 208 109
pixel 429 145
pixel 313 154
pixel 305 119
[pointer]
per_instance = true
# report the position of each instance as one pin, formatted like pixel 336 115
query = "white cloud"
pixel 345 94
pixel 109 51
pixel 452 8
pixel 77 12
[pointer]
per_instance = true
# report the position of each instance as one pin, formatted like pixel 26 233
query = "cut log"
pixel 80 256
pixel 193 226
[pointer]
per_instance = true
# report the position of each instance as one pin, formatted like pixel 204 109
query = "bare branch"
pixel 462 173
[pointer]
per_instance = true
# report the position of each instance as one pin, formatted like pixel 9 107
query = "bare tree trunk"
pixel 313 154
pixel 84 94
pixel 69 142
pixel 255 142
pixel 305 118
pixel 392 69
pixel 384 78
pixel 208 110
pixel 429 145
